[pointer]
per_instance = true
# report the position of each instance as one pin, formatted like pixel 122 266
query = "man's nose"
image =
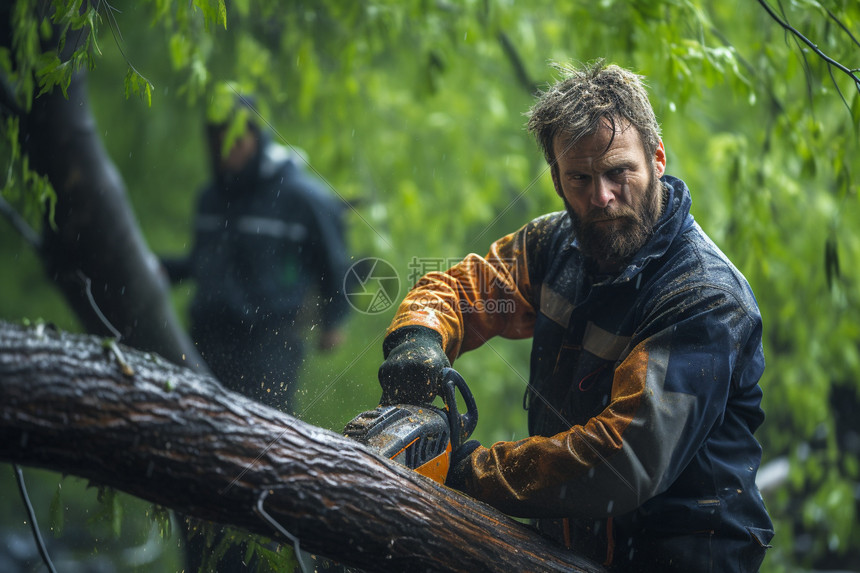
pixel 602 194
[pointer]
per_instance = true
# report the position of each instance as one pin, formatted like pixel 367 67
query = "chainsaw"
pixel 420 437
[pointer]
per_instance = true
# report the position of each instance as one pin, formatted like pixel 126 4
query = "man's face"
pixel 612 192
pixel 243 148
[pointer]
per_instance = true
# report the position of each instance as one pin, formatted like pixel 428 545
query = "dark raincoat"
pixel 643 395
pixel 263 242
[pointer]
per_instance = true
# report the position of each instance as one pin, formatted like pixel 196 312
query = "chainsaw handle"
pixel 462 425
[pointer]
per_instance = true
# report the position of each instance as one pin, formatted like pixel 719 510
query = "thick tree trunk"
pixel 95 252
pixel 132 421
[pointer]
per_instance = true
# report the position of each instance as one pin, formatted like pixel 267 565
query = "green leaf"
pixel 56 512
pixel 214 11
pixel 220 103
pixel 53 72
pixel 138 85
pixel 855 109
pixel 284 559
pixel 92 23
pixel 161 516
pixel 30 193
pixel 110 511
pixel 180 50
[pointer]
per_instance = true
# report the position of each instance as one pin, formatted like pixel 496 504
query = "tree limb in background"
pixel 517 62
pixel 852 73
pixel 177 438
pixel 34 525
pixel 842 25
pixel 20 225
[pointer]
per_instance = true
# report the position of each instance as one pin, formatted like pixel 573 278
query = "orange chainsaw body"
pixel 420 437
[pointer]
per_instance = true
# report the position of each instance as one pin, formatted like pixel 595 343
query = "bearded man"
pixel 646 357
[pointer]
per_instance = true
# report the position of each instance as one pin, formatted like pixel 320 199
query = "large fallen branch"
pixel 133 421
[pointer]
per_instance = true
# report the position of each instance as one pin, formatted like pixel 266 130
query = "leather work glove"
pixel 411 372
pixel 459 467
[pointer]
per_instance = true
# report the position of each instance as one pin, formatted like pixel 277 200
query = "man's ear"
pixel 660 159
pixel 556 182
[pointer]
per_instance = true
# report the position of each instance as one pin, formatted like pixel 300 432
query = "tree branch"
pixel 20 225
pixel 517 62
pixel 842 25
pixel 179 439
pixel 786 26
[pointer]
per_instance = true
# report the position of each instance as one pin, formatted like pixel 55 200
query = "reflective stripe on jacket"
pixel 261 248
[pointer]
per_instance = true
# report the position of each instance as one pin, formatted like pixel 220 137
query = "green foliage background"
pixel 418 109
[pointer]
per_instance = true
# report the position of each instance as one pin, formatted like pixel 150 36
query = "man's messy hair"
pixel 584 99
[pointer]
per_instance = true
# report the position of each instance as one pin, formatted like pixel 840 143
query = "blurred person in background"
pixel 267 236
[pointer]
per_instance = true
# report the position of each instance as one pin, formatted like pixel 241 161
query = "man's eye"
pixel 618 171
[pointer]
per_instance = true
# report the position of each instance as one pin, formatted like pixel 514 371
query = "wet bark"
pixel 133 421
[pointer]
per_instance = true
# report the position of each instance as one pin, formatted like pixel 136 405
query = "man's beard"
pixel 612 236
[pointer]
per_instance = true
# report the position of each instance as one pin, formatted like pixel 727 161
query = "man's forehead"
pixel 599 142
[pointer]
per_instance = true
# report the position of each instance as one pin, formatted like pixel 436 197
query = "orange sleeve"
pixel 573 472
pixel 476 299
